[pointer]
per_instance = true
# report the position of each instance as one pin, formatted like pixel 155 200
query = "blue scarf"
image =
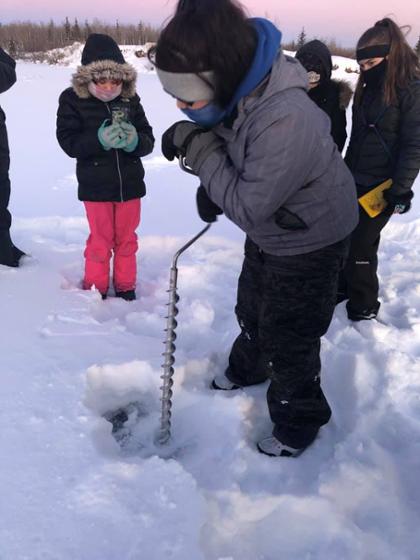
pixel 269 40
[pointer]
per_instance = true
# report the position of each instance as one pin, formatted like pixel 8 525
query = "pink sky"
pixel 343 20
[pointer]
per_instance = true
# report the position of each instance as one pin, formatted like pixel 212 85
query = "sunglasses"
pixel 103 81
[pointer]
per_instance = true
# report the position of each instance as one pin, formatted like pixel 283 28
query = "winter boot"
pixel 272 447
pixel 364 315
pixel 9 254
pixel 129 295
pixel 222 383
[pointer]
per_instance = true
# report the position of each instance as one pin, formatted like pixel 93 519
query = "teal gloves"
pixel 131 136
pixel 109 135
pixel 118 136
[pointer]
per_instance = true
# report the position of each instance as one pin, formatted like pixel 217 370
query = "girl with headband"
pixel 264 155
pixel 384 144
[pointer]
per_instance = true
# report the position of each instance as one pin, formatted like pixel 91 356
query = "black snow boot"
pixel 9 254
pixel 364 314
pixel 129 295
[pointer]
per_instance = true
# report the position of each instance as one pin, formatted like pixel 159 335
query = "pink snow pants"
pixel 112 228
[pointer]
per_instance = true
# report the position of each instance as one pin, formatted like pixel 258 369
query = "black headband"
pixel 374 51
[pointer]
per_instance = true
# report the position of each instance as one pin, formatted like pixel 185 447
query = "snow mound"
pixel 71 56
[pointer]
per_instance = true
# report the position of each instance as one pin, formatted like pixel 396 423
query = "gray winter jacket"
pixel 279 176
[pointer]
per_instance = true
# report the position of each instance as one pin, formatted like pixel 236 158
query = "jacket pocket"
pixel 91 163
pixel 93 172
pixel 133 168
pixel 286 219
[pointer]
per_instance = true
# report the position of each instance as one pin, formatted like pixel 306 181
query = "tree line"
pixel 22 38
pixel 334 47
pixel 28 37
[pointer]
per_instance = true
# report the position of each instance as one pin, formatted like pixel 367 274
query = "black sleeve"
pixel 408 161
pixel 73 139
pixel 7 71
pixel 339 128
pixel 144 130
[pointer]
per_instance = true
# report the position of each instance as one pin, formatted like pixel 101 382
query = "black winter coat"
pixel 333 97
pixel 7 79
pixel 385 141
pixel 103 176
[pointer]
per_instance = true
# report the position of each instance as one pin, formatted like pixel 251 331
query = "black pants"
pixel 285 305
pixel 6 246
pixel 359 280
pixel 5 219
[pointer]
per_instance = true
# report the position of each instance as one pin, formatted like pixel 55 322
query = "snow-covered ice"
pixel 68 492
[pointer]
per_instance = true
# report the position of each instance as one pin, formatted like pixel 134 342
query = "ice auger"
pixel 171 324
pixel 169 353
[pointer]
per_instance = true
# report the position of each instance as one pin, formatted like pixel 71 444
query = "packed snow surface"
pixel 68 492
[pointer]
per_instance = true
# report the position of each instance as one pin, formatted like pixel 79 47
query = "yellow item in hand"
pixel 373 201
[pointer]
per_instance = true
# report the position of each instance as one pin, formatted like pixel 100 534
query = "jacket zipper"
pixel 118 162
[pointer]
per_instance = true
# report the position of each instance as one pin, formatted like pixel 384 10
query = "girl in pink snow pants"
pixel 102 124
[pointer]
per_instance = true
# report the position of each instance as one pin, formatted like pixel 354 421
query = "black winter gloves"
pixel 176 137
pixel 187 139
pixel 207 209
pixel 397 204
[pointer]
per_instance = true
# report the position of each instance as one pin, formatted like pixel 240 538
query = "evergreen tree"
pixel 12 48
pixel 76 34
pixel 67 29
pixel 87 30
pixel 140 29
pixel 301 39
pixel 117 35
pixel 51 33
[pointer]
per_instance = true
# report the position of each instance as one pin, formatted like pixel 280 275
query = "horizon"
pixel 339 22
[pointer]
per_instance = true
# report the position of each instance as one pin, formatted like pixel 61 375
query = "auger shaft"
pixel 169 353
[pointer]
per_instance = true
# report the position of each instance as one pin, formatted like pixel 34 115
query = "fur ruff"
pixel 345 93
pixel 104 69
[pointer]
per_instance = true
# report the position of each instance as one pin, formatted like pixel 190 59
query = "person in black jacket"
pixel 102 124
pixel 9 253
pixel 332 96
pixel 384 144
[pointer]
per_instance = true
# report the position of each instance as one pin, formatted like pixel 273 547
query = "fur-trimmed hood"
pixel 104 69
pixel 345 93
